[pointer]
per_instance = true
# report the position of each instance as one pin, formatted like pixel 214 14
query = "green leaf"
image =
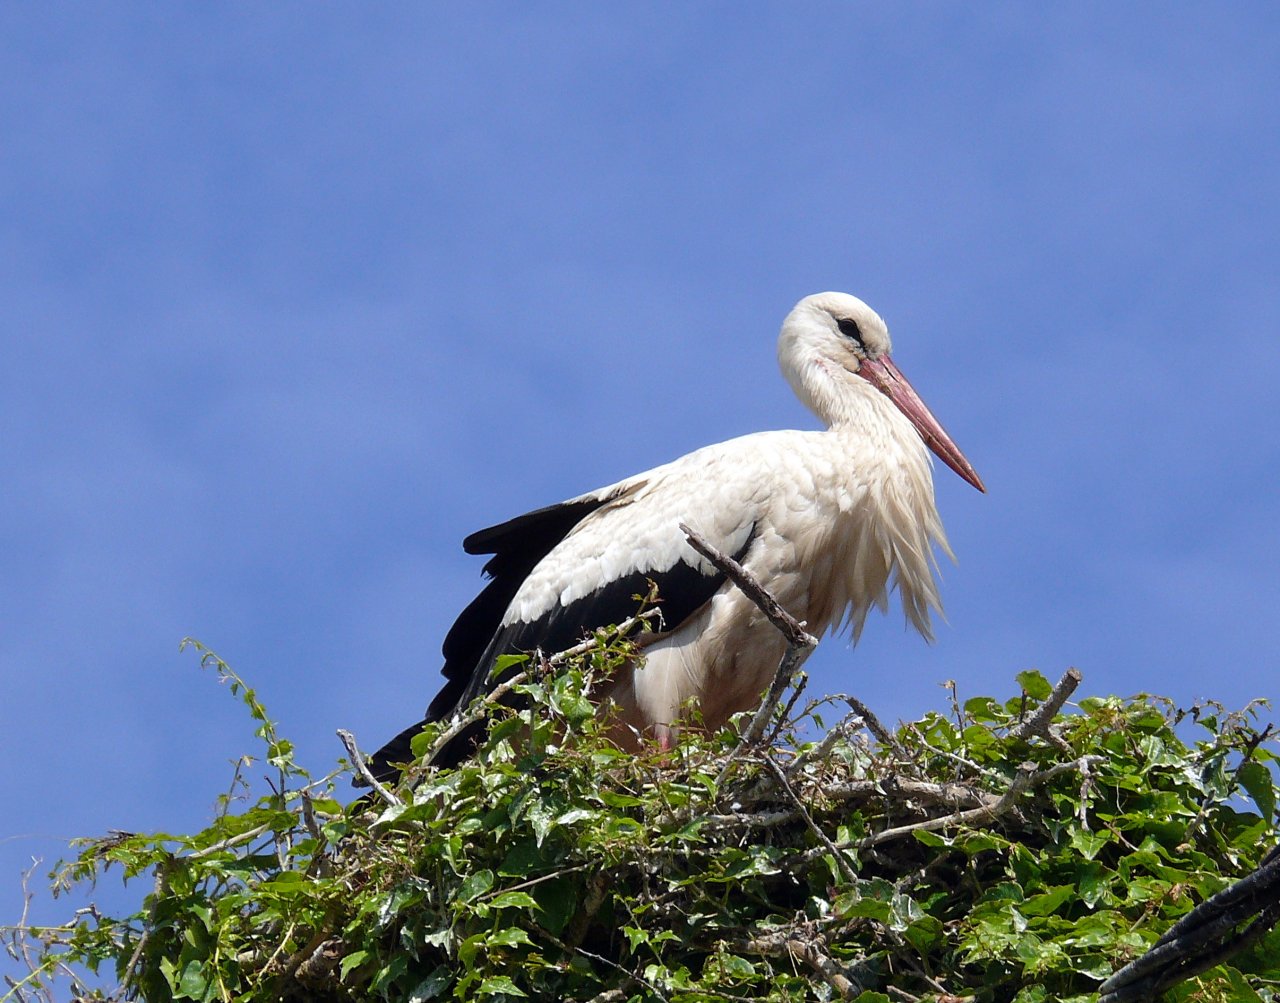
pixel 557 903
pixel 1089 844
pixel 475 885
pixel 389 973
pixel 194 981
pixel 510 937
pixel 1048 903
pixel 1034 684
pixel 432 986
pixel 1259 782
pixel 500 984
pixel 353 960
pixel 738 967
pixel 513 900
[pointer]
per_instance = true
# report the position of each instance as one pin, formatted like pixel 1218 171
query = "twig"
pixel 822 837
pixel 791 662
pixel 635 976
pixel 476 712
pixel 802 680
pixel 1022 781
pixel 952 795
pixel 479 708
pixel 521 886
pixel 791 628
pixel 357 760
pixel 1026 778
pixel 882 734
pixel 800 643
pixel 841 732
pixel 806 946
pixel 161 890
pixel 230 841
pixel 592 643
pixel 954 757
pixel 1038 723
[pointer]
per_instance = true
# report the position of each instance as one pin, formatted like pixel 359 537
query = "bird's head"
pixel 828 336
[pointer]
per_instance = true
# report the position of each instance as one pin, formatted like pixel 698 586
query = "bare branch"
pixel 791 662
pixel 847 868
pixel 1038 723
pixel 840 733
pixel 791 628
pixel 800 643
pixel 1021 782
pixel 357 760
pixel 808 948
pixel 983 814
pixel 881 733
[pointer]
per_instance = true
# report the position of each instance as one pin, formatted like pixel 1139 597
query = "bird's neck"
pixel 842 399
pixel 867 420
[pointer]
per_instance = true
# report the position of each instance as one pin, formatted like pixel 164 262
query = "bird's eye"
pixel 849 328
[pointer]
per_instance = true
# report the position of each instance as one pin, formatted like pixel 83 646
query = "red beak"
pixel 882 374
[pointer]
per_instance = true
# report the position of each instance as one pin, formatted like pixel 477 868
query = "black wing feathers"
pixel 517 545
pixel 477 638
pixel 682 590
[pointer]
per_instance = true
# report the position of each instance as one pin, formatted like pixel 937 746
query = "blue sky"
pixel 294 298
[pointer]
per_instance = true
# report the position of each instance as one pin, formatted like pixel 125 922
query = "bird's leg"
pixel 665 736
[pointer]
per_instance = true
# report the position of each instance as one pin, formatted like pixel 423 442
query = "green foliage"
pixel 949 859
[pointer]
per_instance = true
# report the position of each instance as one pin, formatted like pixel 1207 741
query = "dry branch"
pixel 800 643
pixel 357 760
pixel 1038 723
pixel 808 947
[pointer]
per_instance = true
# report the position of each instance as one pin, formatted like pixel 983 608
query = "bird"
pixel 831 521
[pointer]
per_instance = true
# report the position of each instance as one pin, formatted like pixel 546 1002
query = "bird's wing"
pixel 517 546
pixel 562 572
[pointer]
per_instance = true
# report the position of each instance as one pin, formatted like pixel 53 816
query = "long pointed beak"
pixel 885 376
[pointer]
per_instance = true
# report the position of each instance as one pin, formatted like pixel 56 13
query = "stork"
pixel 828 520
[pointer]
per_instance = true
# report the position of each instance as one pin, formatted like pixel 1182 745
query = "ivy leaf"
pixel 1034 684
pixel 353 960
pixel 475 885
pixel 194 981
pixel 513 900
pixel 1259 782
pixel 510 937
pixel 496 985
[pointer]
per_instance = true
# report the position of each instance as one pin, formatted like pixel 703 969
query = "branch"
pixel 357 760
pixel 1026 778
pixel 882 734
pixel 479 709
pixel 1021 783
pixel 792 943
pixel 1201 939
pixel 821 836
pixel 791 628
pixel 800 643
pixel 819 753
pixel 1038 723
pixel 953 795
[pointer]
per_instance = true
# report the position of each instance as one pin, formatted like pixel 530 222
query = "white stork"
pixel 827 520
